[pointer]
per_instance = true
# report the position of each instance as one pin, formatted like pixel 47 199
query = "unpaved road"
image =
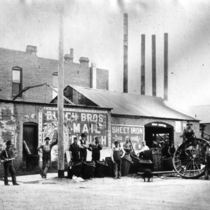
pixel 106 193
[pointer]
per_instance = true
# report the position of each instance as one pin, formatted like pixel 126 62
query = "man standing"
pixel 75 151
pixel 83 147
pixel 95 148
pixel 7 156
pixel 117 155
pixel 46 155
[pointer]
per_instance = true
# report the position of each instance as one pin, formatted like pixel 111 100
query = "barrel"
pixel 88 169
pixel 126 163
pixel 109 171
pixel 167 164
pixel 77 169
pixel 100 169
pixel 134 165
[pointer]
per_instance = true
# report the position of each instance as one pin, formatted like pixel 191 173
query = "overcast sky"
pixel 94 29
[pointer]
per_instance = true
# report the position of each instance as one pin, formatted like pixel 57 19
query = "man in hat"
pixel 83 147
pixel 188 133
pixel 7 156
pixel 46 154
pixel 95 148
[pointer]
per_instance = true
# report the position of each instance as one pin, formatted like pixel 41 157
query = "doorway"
pixel 30 136
pixel 158 131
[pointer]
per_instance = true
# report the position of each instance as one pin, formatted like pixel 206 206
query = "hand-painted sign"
pixel 134 132
pixel 76 121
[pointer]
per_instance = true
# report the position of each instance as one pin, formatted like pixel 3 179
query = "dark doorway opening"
pixel 158 131
pixel 30 136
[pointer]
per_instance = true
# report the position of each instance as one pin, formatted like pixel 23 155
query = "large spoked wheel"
pixel 189 159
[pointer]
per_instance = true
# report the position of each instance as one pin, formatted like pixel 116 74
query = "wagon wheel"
pixel 189 159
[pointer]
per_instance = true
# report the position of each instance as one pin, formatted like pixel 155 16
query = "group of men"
pixel 78 150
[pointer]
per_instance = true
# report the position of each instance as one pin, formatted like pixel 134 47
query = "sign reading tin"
pixel 76 121
pixel 134 132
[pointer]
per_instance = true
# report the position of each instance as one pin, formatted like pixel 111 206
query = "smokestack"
pixel 143 64
pixel 125 45
pixel 93 76
pixel 165 66
pixel 153 65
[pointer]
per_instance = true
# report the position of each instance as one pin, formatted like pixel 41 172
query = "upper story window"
pixel 16 81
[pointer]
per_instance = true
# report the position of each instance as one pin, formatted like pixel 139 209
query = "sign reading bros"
pixel 76 121
pixel 134 132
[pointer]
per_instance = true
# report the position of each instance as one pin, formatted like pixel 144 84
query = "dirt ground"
pixel 106 193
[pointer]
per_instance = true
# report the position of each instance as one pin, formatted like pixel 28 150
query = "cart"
pixel 189 158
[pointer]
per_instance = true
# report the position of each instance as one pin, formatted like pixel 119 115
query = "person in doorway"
pixel 83 147
pixel 7 156
pixel 95 148
pixel 46 155
pixel 165 149
pixel 117 155
pixel 75 151
pixel 171 150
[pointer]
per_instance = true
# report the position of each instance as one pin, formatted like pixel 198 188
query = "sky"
pixel 94 29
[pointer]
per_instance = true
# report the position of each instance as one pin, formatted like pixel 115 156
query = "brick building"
pixel 96 111
pixel 21 119
pixel 32 121
pixel 22 69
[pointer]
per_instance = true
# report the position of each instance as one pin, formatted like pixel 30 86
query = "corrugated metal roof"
pixel 132 104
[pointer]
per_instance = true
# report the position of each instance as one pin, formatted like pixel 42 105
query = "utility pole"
pixel 60 96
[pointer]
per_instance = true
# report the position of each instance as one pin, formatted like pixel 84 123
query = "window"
pixel 16 81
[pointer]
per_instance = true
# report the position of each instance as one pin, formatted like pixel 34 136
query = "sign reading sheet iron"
pixel 76 121
pixel 134 132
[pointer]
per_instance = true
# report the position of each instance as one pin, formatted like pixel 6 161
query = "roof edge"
pixel 152 117
pixel 53 105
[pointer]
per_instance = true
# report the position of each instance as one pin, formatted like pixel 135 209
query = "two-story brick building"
pixel 19 70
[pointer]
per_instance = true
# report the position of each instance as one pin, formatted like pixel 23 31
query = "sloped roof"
pixel 201 112
pixel 132 104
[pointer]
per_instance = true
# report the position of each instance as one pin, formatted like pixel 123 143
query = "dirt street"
pixel 106 193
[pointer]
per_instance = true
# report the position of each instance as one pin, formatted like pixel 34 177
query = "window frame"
pixel 16 68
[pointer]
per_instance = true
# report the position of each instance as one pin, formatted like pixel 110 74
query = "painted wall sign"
pixel 8 125
pixel 134 132
pixel 76 121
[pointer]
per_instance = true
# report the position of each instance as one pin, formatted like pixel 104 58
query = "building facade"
pixel 30 123
pixel 19 70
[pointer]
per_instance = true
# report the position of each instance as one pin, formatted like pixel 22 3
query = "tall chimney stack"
pixel 125 46
pixel 166 66
pixel 143 64
pixel 153 65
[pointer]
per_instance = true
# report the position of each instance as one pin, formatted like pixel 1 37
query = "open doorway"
pixel 30 153
pixel 157 132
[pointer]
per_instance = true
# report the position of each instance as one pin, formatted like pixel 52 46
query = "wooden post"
pixel 143 64
pixel 166 66
pixel 153 65
pixel 60 97
pixel 125 46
